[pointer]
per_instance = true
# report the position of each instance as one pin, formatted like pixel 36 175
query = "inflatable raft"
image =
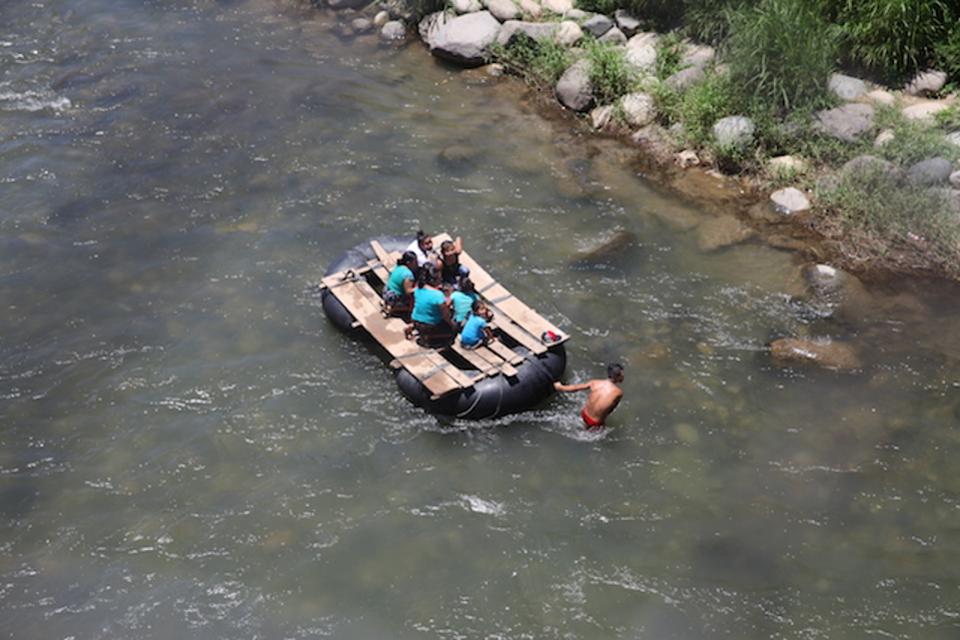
pixel 513 373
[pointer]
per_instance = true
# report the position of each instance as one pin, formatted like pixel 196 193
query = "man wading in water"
pixel 603 399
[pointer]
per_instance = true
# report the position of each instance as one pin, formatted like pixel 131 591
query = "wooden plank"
pixel 382 255
pixel 505 352
pixel 502 300
pixel 491 356
pixel 507 326
pixel 482 364
pixel 437 374
pixel 379 270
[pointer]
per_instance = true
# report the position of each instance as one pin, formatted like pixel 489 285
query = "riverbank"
pixel 870 184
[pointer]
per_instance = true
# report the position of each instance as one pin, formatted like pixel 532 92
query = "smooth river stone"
pixel 846 123
pixel 789 201
pixel 574 90
pixel 925 111
pixel 846 87
pixel 465 39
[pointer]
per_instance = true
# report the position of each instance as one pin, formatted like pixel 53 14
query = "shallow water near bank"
pixel 190 450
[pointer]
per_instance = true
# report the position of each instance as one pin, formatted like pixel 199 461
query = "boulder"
pixel 628 24
pixel 825 353
pixel 642 52
pixel 954 138
pixel 955 179
pixel 574 90
pixel 535 30
pixel 361 25
pixel 846 87
pixel 464 39
pixel 824 279
pixel 639 109
pixel 733 131
pixel 613 36
pixel 881 97
pixel 530 8
pixel 722 231
pixel 600 117
pixel 559 7
pixel 347 4
pixel 884 137
pixel 577 14
pixel 431 25
pixel 787 165
pixel 789 201
pixel 393 31
pixel 697 55
pixel 598 25
pixel 568 33
pixel 925 111
pixel 685 78
pixel 466 6
pixel 930 172
pixel 867 166
pixel 846 123
pixel 381 19
pixel 926 83
pixel 502 10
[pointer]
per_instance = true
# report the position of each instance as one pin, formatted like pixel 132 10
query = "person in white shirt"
pixel 423 247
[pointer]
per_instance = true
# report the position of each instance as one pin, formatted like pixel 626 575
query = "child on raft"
pixel 476 330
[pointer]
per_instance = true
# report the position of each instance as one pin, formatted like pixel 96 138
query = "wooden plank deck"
pixel 439 375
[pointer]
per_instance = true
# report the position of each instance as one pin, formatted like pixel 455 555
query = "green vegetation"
pixel 539 63
pixel 703 104
pixel 609 72
pixel 913 141
pixel 669 55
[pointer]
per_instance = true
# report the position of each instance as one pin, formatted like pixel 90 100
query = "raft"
pixel 513 373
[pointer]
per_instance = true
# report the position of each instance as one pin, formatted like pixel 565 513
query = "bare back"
pixel 603 399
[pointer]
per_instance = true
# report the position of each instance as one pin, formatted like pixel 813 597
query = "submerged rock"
pixel 393 31
pixel 574 90
pixel 824 279
pixel 846 123
pixel 457 155
pixel 722 231
pixel 362 25
pixel 607 249
pixel 824 353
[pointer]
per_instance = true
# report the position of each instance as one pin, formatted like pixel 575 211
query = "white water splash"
pixel 33 101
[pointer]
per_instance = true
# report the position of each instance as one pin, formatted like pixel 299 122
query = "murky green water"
pixel 188 450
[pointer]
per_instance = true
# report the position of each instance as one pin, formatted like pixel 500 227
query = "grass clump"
pixel 669 55
pixel 913 141
pixel 781 53
pixel 703 104
pixel 539 63
pixel 949 118
pixel 610 73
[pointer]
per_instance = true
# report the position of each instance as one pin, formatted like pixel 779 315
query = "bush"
pixel 539 63
pixel 913 141
pixel 703 104
pixel 781 55
pixel 610 74
pixel 948 55
pixel 709 20
pixel 669 54
pixel 896 37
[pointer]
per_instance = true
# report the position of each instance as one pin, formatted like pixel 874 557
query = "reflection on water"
pixel 190 450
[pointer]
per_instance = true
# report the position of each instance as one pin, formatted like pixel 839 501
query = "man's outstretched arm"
pixel 571 387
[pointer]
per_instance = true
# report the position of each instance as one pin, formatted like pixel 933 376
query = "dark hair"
pixel 475 307
pixel 614 370
pixel 446 244
pixel 427 275
pixel 466 285
pixel 407 257
pixel 421 236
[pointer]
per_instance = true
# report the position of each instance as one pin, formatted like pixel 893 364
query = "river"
pixel 189 450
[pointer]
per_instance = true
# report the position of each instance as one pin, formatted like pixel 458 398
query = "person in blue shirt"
pixel 431 316
pixel 398 293
pixel 463 300
pixel 476 330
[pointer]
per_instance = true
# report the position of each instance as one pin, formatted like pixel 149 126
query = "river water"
pixel 189 450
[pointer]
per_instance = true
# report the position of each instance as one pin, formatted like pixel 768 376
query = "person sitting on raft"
pixel 398 294
pixel 431 315
pixel 476 331
pixel 463 300
pixel 422 247
pixel 451 271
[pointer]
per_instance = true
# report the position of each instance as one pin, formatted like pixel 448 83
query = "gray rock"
pixel 881 97
pixel 362 25
pixel 606 250
pixel 598 25
pixel 825 353
pixel 381 19
pixel 789 201
pixel 536 30
pixel 613 36
pixel 685 78
pixel 466 6
pixel 530 8
pixel 925 111
pixel 824 279
pixel 502 10
pixel 867 167
pixel 638 109
pixel 600 117
pixel 926 83
pixel 698 55
pixel 559 7
pixel 457 156
pixel 930 172
pixel 733 131
pixel 954 138
pixel 574 90
pixel 465 39
pixel 955 179
pixel 846 87
pixel 686 158
pixel 846 123
pixel 787 165
pixel 568 33
pixel 393 31
pixel 626 22
pixel 431 25
pixel 884 137
pixel 574 14
pixel 347 4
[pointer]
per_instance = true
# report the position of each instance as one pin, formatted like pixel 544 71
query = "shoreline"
pixel 785 210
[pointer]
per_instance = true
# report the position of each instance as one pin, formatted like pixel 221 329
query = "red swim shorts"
pixel 589 421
